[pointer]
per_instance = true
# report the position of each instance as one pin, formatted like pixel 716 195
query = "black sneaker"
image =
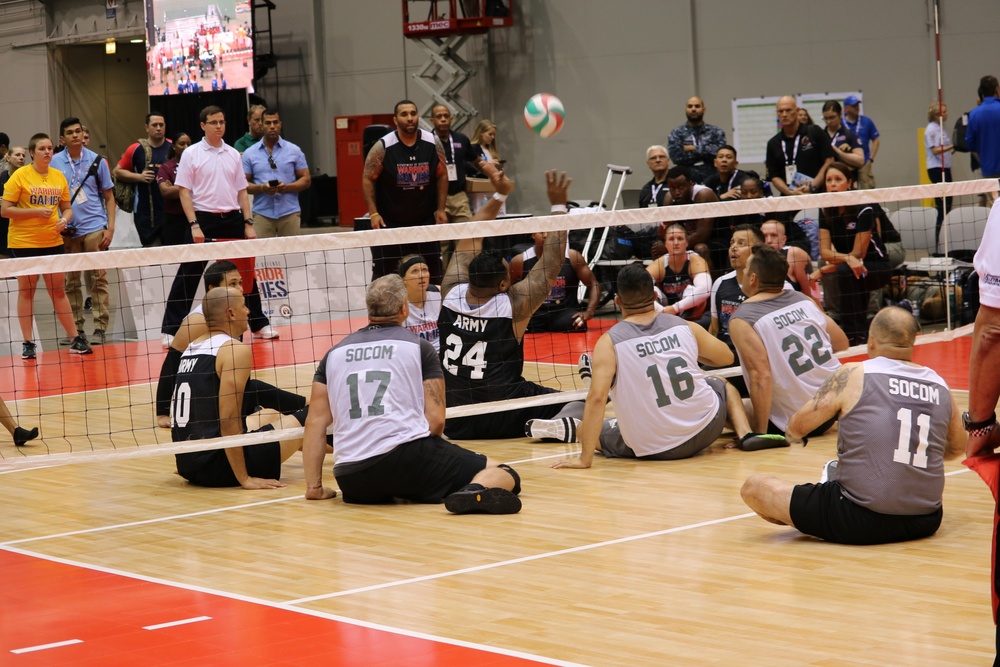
pixel 477 499
pixel 97 338
pixel 23 435
pixel 752 442
pixel 88 304
pixel 28 350
pixel 562 429
pixel 80 346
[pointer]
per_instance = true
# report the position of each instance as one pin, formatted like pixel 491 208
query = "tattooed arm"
pixel 434 405
pixel 836 396
pixel 373 169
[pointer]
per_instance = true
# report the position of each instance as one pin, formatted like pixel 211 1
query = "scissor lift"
pixel 448 24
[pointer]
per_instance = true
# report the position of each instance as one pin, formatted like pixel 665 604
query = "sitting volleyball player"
pixel 208 396
pixel 666 407
pixel 682 278
pixel 258 394
pixel 898 424
pixel 483 320
pixel 785 342
pixel 561 309
pixel 382 388
pixel 424 299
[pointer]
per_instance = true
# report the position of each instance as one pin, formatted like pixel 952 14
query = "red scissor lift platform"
pixel 452 17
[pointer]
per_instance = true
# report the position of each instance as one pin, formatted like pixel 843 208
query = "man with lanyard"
pixel 798 155
pixel 93 223
pixel 728 179
pixel 132 168
pixel 640 240
pixel 458 152
pixel 276 171
pixel 695 143
pixel 868 135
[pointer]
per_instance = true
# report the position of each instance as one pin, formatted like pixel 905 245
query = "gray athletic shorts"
pixel 614 446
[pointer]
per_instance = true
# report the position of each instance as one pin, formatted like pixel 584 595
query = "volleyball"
pixel 544 114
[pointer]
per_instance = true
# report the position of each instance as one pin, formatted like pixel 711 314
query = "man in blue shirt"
pixel 982 134
pixel 868 135
pixel 276 172
pixel 93 226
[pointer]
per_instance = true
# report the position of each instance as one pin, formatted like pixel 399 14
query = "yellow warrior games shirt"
pixel 29 189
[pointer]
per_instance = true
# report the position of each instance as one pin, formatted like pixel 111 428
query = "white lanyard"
pixel 795 150
pixel 733 177
pixel 451 140
pixel 656 192
pixel 76 169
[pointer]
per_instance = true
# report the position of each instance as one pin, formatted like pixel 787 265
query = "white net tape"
pixel 320 255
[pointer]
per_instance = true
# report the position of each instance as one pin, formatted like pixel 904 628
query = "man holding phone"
pixel 276 172
pixel 139 165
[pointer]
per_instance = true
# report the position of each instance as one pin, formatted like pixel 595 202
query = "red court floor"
pixel 57 614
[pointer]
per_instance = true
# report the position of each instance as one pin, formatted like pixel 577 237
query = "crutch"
pixel 613 170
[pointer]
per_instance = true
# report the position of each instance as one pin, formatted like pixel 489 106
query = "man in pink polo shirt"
pixel 213 191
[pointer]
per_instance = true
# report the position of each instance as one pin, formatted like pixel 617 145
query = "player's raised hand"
pixel 557 185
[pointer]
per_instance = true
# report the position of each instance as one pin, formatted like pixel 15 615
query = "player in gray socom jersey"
pixel 897 426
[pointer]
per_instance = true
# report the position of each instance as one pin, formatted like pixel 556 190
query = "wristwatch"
pixel 978 428
pixel 248 221
pixel 193 223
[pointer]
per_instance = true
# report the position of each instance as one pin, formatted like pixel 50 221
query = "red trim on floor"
pixel 46 602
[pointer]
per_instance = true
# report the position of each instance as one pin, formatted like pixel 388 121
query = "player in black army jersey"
pixel 887 481
pixel 208 395
pixel 405 184
pixel 561 310
pixel 483 319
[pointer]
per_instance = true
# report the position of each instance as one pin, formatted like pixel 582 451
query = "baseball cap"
pixel 852 101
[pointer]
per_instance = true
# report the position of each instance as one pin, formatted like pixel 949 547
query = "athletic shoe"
pixel 28 350
pixel 906 305
pixel 65 341
pixel 752 442
pixel 586 369
pixel 829 472
pixel 477 499
pixel 166 340
pixel 267 333
pixel 97 338
pixel 88 304
pixel 80 346
pixel 23 435
pixel 562 429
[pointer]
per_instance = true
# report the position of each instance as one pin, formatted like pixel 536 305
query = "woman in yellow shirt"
pixel 37 202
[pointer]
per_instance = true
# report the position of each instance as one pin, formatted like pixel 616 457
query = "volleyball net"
pixel 312 289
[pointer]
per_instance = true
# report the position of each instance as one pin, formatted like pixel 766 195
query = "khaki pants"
pixel 96 280
pixel 456 207
pixel 866 179
pixel 286 225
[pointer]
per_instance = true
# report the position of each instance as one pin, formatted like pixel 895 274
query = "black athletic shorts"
pixel 822 510
pixel 17 253
pixel 506 424
pixel 424 471
pixel 212 468
pixel 772 429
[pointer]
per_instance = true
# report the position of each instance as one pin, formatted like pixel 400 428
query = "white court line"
pixel 148 521
pixel 524 559
pixel 192 514
pixel 42 647
pixel 299 610
pixel 171 624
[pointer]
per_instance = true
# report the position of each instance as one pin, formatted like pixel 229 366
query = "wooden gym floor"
pixel 627 563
